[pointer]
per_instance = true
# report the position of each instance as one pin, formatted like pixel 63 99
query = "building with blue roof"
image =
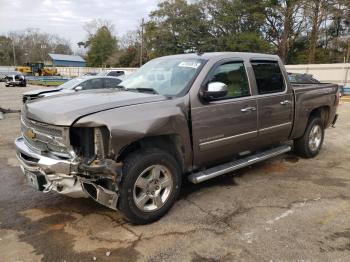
pixel 67 60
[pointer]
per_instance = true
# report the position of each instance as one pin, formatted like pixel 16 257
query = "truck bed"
pixel 308 97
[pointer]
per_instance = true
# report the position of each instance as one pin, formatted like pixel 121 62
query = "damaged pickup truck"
pixel 191 116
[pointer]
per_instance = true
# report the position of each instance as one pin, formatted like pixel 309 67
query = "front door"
pixel 227 126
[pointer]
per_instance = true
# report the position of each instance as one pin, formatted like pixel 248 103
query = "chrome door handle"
pixel 285 102
pixel 248 109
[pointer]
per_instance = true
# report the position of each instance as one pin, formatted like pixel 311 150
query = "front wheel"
pixel 150 185
pixel 309 145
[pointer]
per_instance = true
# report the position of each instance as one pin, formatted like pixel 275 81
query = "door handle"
pixel 248 109
pixel 285 102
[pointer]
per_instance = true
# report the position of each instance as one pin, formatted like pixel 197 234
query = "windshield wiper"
pixel 144 90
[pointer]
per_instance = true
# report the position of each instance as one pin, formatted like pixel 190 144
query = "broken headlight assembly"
pixel 98 172
pixel 90 143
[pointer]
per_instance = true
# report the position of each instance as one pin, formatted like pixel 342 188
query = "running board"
pixel 237 164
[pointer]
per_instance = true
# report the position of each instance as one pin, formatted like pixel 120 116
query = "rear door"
pixel 274 100
pixel 227 126
pixel 112 82
pixel 94 83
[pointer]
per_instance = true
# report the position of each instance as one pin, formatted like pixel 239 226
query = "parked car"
pixel 296 78
pixel 73 85
pixel 15 79
pixel 90 74
pixel 191 116
pixel 115 73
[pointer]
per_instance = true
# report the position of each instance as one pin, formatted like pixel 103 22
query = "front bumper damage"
pixel 66 176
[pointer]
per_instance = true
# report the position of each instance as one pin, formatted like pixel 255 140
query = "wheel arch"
pixel 170 143
pixel 322 112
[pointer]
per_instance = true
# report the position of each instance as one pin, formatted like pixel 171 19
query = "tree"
pixel 6 51
pixel 284 24
pixel 175 27
pixel 235 25
pixel 102 45
pixel 31 45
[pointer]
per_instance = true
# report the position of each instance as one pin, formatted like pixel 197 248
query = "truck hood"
pixel 41 91
pixel 63 110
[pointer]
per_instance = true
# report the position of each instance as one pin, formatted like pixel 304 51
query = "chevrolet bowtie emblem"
pixel 31 134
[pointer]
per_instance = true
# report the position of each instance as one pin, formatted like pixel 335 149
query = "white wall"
pixel 7 68
pixel 77 71
pixel 330 73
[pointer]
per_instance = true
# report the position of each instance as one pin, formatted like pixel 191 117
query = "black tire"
pixel 134 165
pixel 302 146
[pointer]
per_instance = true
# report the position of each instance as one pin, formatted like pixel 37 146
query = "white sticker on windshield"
pixel 191 64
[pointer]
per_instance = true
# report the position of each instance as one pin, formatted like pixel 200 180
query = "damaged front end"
pixel 72 161
pixel 98 173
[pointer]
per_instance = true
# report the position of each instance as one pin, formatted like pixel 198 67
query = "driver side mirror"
pixel 78 88
pixel 214 90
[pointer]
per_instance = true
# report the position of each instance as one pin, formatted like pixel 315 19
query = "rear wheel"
pixel 150 185
pixel 309 145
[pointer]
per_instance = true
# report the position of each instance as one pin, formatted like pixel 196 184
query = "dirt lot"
pixel 285 209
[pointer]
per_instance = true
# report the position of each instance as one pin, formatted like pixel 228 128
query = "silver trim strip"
pixel 276 126
pixel 226 140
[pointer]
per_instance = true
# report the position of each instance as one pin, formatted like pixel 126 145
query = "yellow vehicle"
pixel 25 70
pixel 37 69
pixel 49 71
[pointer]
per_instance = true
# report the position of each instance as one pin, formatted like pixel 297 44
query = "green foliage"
pixel 176 27
pixel 299 31
pixel 6 53
pixel 31 45
pixel 130 57
pixel 102 45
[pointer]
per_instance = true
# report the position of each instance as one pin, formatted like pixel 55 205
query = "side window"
pixel 232 74
pixel 96 83
pixel 115 73
pixel 112 83
pixel 268 75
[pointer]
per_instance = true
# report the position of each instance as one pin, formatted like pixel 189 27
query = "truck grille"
pixel 43 137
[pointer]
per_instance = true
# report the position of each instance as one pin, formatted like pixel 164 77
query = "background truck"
pixel 192 116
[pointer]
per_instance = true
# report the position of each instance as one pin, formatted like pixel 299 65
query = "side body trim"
pixel 226 140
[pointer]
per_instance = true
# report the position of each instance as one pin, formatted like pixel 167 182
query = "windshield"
pixel 72 83
pixel 165 76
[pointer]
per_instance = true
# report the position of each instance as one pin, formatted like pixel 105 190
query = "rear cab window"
pixel 269 77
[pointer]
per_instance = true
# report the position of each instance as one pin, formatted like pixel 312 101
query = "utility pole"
pixel 348 51
pixel 141 51
pixel 13 50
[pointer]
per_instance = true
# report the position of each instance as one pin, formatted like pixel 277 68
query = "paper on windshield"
pixel 191 64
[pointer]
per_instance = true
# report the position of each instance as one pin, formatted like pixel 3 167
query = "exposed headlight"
pixel 90 142
pixel 100 150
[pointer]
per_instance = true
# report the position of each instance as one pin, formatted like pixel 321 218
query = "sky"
pixel 66 18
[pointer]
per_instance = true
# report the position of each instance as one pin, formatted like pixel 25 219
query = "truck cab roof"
pixel 223 55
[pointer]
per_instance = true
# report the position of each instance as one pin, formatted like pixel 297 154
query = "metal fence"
pixel 77 71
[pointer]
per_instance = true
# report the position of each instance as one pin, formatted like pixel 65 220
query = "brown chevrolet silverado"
pixel 192 116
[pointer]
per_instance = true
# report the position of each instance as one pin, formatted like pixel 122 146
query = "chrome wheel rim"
pixel 315 137
pixel 153 188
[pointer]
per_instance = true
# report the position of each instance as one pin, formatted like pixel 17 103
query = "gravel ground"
pixel 285 209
